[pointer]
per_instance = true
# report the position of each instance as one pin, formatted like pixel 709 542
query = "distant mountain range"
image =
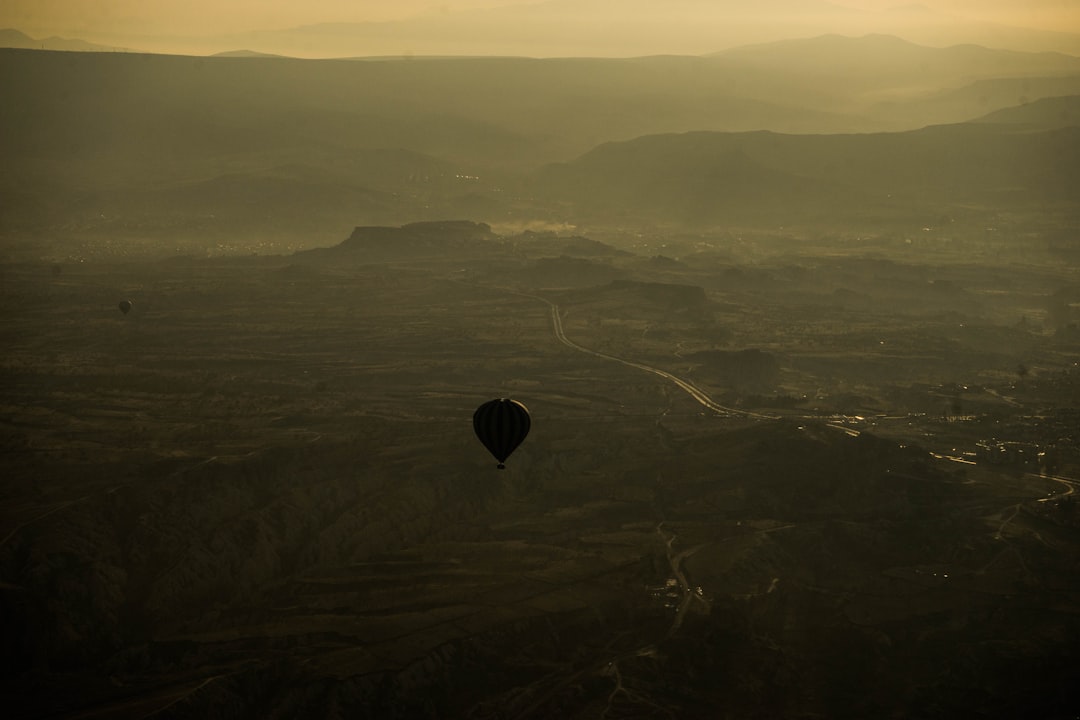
pixel 585 28
pixel 886 58
pixel 1045 114
pixel 512 111
pixel 246 54
pixel 897 81
pixel 127 143
pixel 378 244
pixel 556 29
pixel 10 38
pixel 1027 157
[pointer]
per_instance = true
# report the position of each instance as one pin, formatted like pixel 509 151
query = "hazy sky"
pixel 111 21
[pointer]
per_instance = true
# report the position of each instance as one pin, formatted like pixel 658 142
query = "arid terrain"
pixel 797 323
pixel 258 493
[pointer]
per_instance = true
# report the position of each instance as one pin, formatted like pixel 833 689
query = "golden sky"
pixel 150 21
pixel 194 17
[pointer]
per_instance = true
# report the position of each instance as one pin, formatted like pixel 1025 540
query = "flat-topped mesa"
pixel 442 232
pixel 377 243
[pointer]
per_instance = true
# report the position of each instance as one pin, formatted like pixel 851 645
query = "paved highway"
pixel 685 385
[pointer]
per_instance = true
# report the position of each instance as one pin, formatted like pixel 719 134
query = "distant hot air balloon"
pixel 125 305
pixel 501 425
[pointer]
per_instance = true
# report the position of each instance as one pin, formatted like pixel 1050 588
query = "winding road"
pixel 686 386
pixel 689 594
pixel 700 396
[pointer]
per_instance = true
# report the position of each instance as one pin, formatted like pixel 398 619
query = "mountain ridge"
pixel 380 243
pixel 704 177
pixel 1044 113
pixel 845 54
pixel 12 38
pixel 161 146
pixel 583 28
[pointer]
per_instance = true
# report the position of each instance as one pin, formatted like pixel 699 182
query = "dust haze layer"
pixel 178 151
pixel 542 29
pixel 798 325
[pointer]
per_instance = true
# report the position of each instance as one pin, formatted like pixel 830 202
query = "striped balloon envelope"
pixel 501 425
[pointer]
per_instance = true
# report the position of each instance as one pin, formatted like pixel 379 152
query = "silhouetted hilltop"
pixel 550 243
pixel 11 38
pixel 446 231
pixel 884 58
pixel 412 241
pixel 246 54
pixel 902 84
pixel 644 28
pixel 971 100
pixel 713 177
pixel 1044 114
pixel 448 107
pixel 220 150
pixel 691 177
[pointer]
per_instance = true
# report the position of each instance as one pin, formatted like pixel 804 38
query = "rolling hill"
pixel 495 111
pixel 458 239
pixel 707 178
pixel 1046 113
pixel 11 38
pixel 887 58
pixel 121 145
pixel 574 28
pixel 899 84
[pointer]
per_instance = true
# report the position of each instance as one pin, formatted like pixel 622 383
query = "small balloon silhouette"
pixel 501 426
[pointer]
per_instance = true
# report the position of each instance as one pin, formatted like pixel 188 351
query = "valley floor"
pixel 258 493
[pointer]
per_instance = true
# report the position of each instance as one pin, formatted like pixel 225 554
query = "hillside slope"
pixel 710 177
pixel 170 150
pixel 1046 113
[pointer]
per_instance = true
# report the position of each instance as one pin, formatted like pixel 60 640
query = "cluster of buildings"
pixel 1040 456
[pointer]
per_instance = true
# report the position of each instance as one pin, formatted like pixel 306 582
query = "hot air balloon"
pixel 501 425
pixel 125 305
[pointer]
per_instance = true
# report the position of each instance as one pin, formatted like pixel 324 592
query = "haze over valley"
pixel 795 315
pixel 532 28
pixel 285 153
